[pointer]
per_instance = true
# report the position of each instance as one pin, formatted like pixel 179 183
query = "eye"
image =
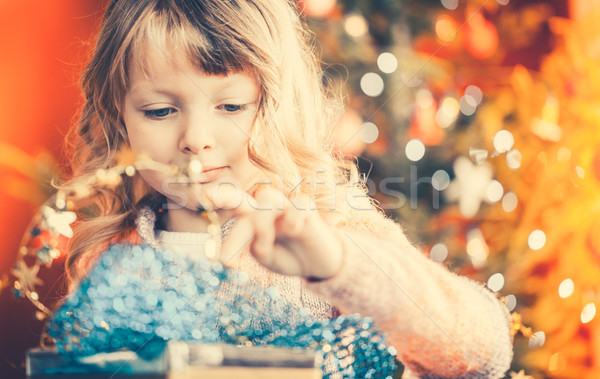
pixel 232 108
pixel 158 113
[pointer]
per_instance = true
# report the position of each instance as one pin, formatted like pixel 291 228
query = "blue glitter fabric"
pixel 138 298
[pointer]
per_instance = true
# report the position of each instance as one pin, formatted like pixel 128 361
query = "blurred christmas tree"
pixel 478 124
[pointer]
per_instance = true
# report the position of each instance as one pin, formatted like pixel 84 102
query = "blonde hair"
pixel 263 37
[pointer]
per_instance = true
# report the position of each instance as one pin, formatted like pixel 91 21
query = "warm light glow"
pixel 537 340
pixel 550 111
pixel 387 62
pixel 482 37
pixel 450 4
pixel 356 25
pixel 546 130
pixel 496 282
pixel 511 302
pixel 494 191
pixel 318 8
pixel 424 98
pixel 536 240
pixel 368 132
pixel 556 362
pixel 468 105
pixel 566 288
pixel 503 141
pixel 440 180
pixel 475 93
pixel 477 248
pixel 447 112
pixel 372 84
pixel 563 154
pixel 445 28
pixel 478 155
pixel 588 313
pixel 513 159
pixel 509 202
pixel 438 252
pixel 415 150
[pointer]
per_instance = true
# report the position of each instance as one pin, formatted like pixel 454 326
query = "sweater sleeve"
pixel 441 324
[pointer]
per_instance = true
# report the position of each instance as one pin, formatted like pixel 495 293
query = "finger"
pixel 294 219
pixel 282 261
pixel 270 205
pixel 237 239
pixel 291 223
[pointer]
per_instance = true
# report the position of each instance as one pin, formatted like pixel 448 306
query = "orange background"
pixel 44 45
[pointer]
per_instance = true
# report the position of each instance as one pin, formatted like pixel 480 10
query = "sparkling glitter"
pixel 157 305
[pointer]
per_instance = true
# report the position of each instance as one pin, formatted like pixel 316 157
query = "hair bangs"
pixel 171 30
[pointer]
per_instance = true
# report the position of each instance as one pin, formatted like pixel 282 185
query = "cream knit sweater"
pixel 441 324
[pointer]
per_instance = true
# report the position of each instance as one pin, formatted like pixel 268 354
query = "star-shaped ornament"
pixel 470 185
pixel 27 276
pixel 58 222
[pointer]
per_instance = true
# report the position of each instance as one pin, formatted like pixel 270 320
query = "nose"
pixel 196 136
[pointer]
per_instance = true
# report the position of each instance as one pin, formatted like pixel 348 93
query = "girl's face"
pixel 176 113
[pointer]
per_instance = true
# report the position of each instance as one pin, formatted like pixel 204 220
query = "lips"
pixel 209 174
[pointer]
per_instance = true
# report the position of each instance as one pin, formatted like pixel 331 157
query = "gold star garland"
pixel 50 229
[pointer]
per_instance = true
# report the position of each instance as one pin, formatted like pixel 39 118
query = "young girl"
pixel 232 90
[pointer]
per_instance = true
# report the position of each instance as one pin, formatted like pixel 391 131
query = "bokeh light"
pixel 368 132
pixel 387 62
pixel 468 105
pixel 477 248
pixel 503 141
pixel 509 202
pixel 372 84
pixel 566 288
pixel 536 240
pixel 475 93
pixel 537 340
pixel 438 252
pixel 318 8
pixel 440 180
pixel 588 313
pixel 356 25
pixel 494 191
pixel 445 28
pixel 415 150
pixel 478 155
pixel 511 302
pixel 496 282
pixel 450 4
pixel 513 159
pixel 448 111
pixel 563 154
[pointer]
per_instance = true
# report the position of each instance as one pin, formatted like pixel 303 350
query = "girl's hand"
pixel 287 236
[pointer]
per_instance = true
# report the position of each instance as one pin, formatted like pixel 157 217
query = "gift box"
pixel 181 360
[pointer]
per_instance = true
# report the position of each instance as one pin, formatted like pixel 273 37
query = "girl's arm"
pixel 440 323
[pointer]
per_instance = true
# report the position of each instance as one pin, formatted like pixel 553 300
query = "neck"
pixel 187 220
